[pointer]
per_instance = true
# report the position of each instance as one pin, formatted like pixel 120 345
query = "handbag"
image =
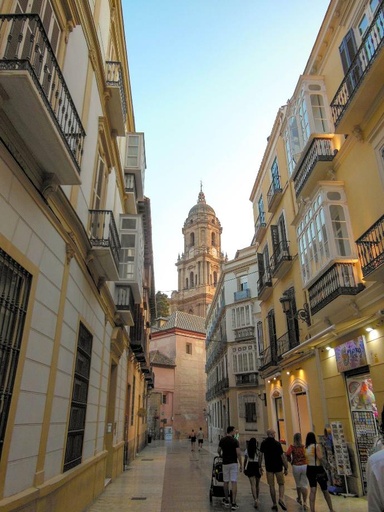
pixel 321 475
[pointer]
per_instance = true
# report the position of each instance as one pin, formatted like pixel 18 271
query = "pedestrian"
pixel 296 456
pixel 200 438
pixel 252 469
pixel 192 437
pixel 275 460
pixel 316 473
pixel 375 481
pixel 229 451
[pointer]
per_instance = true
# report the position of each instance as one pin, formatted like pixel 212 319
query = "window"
pixel 243 359
pixel 275 175
pixel 250 412
pixel 99 184
pixel 324 233
pixel 213 239
pixel 15 284
pixel 243 283
pixel 241 316
pixel 133 151
pixel 188 348
pixel 260 337
pixel 192 239
pixel 164 399
pixel 260 206
pixel 76 427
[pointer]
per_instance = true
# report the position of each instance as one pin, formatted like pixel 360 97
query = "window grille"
pixel 15 285
pixel 76 427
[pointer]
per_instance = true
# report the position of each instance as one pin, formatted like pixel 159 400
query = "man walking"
pixel 275 460
pixel 200 438
pixel 229 450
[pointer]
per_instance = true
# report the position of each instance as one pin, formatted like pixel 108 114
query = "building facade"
pixel 199 265
pixel 235 392
pixel 76 271
pixel 181 339
pixel 318 210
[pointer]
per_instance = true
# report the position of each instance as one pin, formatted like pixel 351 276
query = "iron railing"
pixel 242 294
pixel 103 232
pixel 265 280
pixel 274 188
pixel 370 47
pixel 340 279
pixel 115 79
pixel 320 150
pixel 269 356
pixel 370 247
pixel 285 343
pixel 280 255
pixel 28 48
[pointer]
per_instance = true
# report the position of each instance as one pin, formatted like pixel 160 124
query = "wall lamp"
pixel 263 397
pixel 301 314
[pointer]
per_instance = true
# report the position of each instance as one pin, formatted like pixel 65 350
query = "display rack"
pixel 343 463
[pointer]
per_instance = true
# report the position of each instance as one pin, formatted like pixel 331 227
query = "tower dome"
pixel 201 206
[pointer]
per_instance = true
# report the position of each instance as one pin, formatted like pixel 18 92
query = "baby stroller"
pixel 217 483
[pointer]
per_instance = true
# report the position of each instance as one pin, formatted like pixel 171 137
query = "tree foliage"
pixel 162 304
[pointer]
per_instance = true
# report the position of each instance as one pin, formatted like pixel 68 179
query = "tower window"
pixel 192 239
pixel 188 348
pixel 213 239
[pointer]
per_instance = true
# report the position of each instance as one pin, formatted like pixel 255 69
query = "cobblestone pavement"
pixel 167 477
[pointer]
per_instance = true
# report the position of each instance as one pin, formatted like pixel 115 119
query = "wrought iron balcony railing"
pixel 274 192
pixel 370 247
pixel 27 47
pixel 260 226
pixel 320 150
pixel 280 256
pixel 103 232
pixel 285 343
pixel 268 356
pixel 370 47
pixel 340 279
pixel 115 79
pixel 264 282
pixel 246 379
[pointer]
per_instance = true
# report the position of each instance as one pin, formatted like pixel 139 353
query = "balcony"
pixel 135 162
pixel 285 343
pixel 363 80
pixel 328 292
pixel 138 335
pixel 245 333
pixel 131 268
pixel 281 260
pixel 264 285
pixel 247 379
pixel 314 165
pixel 370 247
pixel 242 294
pixel 130 193
pixel 36 99
pixel 269 357
pixel 274 194
pixel 124 303
pixel 116 101
pixel 105 243
pixel 260 227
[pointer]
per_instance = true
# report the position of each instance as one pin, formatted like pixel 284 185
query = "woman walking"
pixel 252 469
pixel 296 456
pixel 316 473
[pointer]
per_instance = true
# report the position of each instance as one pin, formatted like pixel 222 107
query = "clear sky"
pixel 207 79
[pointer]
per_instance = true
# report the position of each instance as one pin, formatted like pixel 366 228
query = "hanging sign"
pixel 351 355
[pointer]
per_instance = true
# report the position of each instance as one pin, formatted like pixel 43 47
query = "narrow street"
pixel 167 477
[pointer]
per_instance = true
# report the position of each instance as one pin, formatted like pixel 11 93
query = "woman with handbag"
pixel 252 469
pixel 296 456
pixel 316 473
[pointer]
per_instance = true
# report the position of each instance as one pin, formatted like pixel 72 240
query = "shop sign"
pixel 351 355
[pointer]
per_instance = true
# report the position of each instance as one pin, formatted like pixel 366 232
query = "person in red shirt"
pixel 296 456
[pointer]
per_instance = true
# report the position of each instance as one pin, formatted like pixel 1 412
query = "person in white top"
pixel 375 482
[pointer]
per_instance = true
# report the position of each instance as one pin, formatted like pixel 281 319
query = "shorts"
pixel 200 441
pixel 300 475
pixel 271 478
pixel 230 472
pixel 312 472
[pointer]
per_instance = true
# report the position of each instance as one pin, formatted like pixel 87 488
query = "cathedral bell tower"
pixel 199 266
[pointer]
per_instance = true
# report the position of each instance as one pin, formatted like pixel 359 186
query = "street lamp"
pixel 301 314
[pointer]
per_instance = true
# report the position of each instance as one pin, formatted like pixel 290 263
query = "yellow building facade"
pixel 76 271
pixel 318 208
